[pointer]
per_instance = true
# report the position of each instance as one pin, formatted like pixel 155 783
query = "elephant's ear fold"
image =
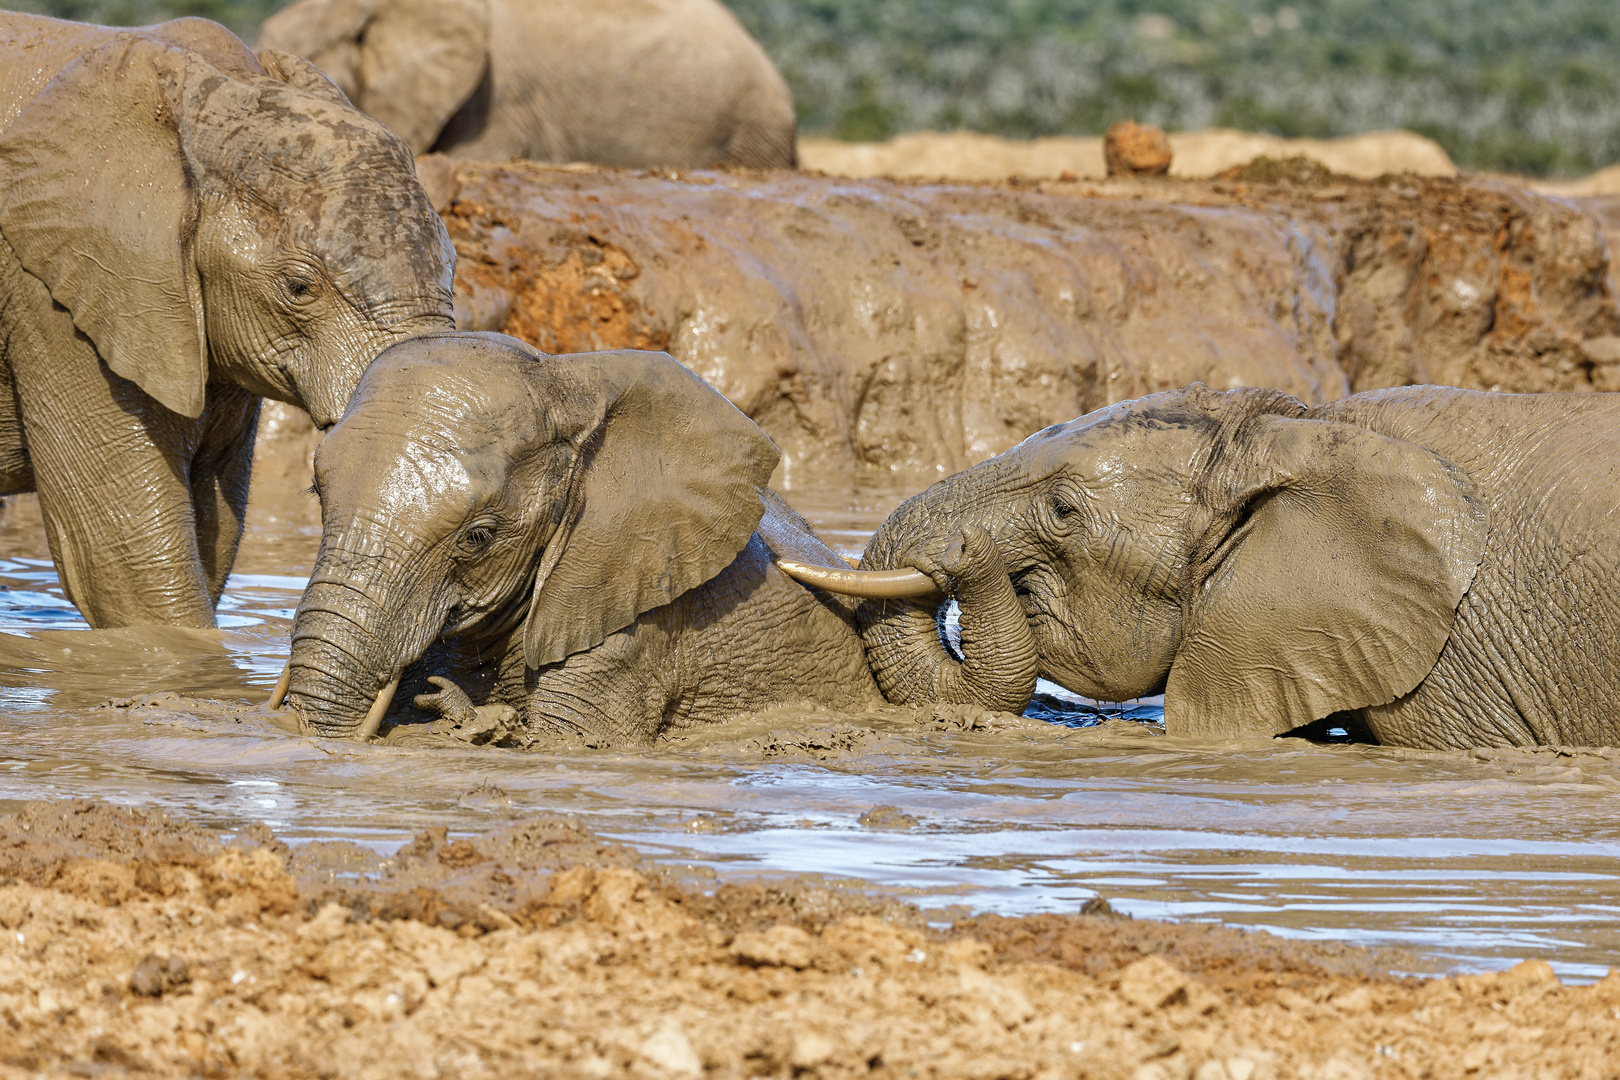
pixel 420 60
pixel 96 203
pixel 1330 581
pixel 326 33
pixel 666 495
pixel 300 74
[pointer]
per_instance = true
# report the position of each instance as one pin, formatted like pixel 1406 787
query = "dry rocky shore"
pixel 135 944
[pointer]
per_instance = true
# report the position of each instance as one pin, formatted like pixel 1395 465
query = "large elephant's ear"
pixel 96 202
pixel 324 32
pixel 1342 558
pixel 420 60
pixel 666 495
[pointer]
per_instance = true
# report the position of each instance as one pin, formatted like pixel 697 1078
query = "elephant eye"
pixel 300 288
pixel 476 539
pixel 1061 508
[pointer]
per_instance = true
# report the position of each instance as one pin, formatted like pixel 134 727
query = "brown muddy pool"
pixel 1470 860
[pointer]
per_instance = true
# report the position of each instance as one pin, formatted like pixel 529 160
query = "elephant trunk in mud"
pixel 901 620
pixel 351 639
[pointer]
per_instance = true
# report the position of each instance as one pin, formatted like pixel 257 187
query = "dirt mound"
pixel 925 327
pixel 139 944
pixel 966 155
pixel 920 328
pixel 1602 182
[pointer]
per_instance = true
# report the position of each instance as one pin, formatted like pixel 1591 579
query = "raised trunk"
pixel 999 661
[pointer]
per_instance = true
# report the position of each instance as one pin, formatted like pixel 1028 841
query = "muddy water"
pixel 1469 860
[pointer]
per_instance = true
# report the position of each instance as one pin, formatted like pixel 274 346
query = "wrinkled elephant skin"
pixel 1434 567
pixel 655 83
pixel 186 226
pixel 579 539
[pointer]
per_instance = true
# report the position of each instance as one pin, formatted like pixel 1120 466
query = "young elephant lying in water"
pixel 1435 566
pixel 586 540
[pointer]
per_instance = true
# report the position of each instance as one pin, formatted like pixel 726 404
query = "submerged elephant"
pixel 635 83
pixel 186 227
pixel 1435 566
pixel 579 537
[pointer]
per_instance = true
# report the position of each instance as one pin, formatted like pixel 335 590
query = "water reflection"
pixel 1472 859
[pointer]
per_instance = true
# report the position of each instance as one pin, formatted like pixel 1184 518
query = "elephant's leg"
pixel 619 693
pixel 458 716
pixel 110 467
pixel 219 480
pixel 16 471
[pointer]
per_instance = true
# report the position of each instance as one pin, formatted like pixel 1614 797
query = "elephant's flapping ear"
pixel 665 497
pixel 96 203
pixel 1330 582
pixel 420 60
pixel 324 32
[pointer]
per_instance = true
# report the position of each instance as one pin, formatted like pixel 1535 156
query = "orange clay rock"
pixel 134 944
pixel 1132 149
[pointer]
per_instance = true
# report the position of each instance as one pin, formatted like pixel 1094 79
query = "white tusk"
pixel 870 584
pixel 373 720
pixel 279 694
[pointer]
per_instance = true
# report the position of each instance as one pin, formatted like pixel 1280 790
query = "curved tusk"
pixel 373 720
pixel 870 584
pixel 279 694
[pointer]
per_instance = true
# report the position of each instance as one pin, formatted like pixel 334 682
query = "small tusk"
pixel 279 694
pixel 373 720
pixel 854 564
pixel 871 584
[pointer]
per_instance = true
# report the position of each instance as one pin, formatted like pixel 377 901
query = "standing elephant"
pixel 579 537
pixel 634 83
pixel 1437 567
pixel 185 227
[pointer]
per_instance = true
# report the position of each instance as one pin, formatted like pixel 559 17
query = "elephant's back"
pixel 1562 444
pixel 1534 653
pixel 632 83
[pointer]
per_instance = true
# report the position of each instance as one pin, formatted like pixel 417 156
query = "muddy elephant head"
pixel 476 489
pixel 205 213
pixel 1260 568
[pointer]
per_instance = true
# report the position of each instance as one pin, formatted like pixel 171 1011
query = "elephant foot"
pixel 479 725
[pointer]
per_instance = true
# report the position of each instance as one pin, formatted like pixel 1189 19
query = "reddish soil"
pixel 133 943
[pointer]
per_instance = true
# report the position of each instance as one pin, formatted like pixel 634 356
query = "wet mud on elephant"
pixel 1432 567
pixel 184 227
pixel 578 545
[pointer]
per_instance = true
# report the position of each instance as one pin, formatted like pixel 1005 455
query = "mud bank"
pixel 910 326
pixel 968 155
pixel 922 327
pixel 135 942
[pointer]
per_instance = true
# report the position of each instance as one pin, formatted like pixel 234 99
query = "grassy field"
pixel 1530 86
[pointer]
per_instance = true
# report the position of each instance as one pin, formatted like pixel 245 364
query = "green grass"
pixel 1521 85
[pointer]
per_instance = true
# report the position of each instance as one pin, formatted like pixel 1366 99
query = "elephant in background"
pixel 186 227
pixel 633 83
pixel 1434 567
pixel 585 540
